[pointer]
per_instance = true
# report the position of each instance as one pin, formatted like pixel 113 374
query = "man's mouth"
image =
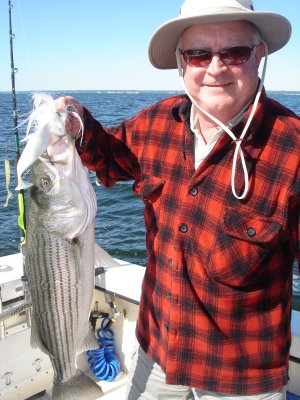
pixel 218 85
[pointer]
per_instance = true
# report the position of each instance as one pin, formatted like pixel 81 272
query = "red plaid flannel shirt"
pixel 216 297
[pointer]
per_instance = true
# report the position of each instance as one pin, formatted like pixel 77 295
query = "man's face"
pixel 222 90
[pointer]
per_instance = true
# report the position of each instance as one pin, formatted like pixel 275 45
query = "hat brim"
pixel 274 29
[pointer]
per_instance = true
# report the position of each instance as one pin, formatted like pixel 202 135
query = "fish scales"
pixel 54 287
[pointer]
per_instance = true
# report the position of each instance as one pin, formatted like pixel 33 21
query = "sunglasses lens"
pixel 231 56
pixel 235 55
pixel 197 58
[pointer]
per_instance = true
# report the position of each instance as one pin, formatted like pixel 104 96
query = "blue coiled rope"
pixel 103 361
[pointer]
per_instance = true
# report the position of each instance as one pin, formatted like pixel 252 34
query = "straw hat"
pixel 274 29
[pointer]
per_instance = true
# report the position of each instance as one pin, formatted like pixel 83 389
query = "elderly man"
pixel 218 171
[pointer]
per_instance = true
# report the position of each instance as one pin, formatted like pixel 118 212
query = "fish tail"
pixel 103 259
pixel 78 388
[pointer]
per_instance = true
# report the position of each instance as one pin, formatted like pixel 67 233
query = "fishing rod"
pixel 13 86
pixel 21 202
pixel 21 197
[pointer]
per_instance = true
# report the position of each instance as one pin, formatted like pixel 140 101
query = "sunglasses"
pixel 230 56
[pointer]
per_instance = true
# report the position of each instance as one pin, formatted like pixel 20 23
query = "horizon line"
pixel 123 90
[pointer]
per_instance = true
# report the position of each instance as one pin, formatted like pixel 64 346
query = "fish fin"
pixel 78 388
pixel 35 341
pixel 36 145
pixel 23 185
pixel 103 259
pixel 34 336
pixel 90 342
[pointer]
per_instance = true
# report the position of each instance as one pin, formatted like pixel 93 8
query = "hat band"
pixel 214 10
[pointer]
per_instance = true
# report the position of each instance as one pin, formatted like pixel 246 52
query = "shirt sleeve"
pixel 107 151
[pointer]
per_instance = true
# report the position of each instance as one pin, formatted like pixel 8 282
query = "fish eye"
pixel 45 182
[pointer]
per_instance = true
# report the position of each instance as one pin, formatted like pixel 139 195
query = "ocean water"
pixel 119 222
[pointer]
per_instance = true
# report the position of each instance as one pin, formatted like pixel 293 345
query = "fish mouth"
pixel 62 158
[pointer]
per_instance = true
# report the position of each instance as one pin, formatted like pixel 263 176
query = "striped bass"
pixel 60 256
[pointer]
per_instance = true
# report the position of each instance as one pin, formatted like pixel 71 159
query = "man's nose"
pixel 216 64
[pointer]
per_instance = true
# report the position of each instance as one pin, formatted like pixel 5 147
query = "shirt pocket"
pixel 241 244
pixel 150 189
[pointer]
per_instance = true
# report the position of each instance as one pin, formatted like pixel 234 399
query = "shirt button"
pixel 183 228
pixel 169 295
pixel 193 191
pixel 167 328
pixel 170 262
pixel 251 232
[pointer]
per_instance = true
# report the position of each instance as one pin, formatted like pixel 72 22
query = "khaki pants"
pixel 147 382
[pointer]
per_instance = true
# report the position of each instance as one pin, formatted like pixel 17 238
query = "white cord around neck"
pixel 237 141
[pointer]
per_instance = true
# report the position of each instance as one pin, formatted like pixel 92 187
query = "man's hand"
pixel 69 104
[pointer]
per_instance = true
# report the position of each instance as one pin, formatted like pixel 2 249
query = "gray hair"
pixel 256 35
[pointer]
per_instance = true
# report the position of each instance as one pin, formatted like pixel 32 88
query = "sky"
pixel 103 45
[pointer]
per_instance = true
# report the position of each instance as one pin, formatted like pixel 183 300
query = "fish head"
pixel 56 201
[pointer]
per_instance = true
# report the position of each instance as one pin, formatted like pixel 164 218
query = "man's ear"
pixel 259 53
